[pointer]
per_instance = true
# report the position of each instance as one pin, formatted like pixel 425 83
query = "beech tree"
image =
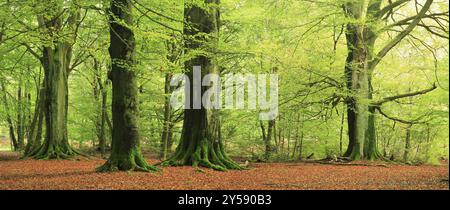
pixel 362 61
pixel 58 27
pixel 126 152
pixel 201 143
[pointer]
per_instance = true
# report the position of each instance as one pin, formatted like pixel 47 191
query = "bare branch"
pixel 400 37
pixel 153 20
pixel 406 95
pixel 390 7
pixel 408 122
pixel 31 51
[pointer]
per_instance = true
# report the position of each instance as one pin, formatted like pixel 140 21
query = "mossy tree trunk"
pixel 360 64
pixel 125 154
pixel 56 58
pixel 357 74
pixel 201 143
pixel 56 143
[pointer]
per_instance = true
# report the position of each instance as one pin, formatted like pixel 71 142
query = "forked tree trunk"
pixel 126 152
pixel 360 115
pixel 360 65
pixel 56 60
pixel 359 92
pixel 56 143
pixel 201 143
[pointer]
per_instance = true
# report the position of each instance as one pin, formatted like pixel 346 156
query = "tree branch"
pixel 31 51
pixel 409 122
pixel 393 98
pixel 400 37
pixel 153 20
pixel 390 7
pixel 407 20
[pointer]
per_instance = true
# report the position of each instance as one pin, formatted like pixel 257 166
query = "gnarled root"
pixel 205 155
pixel 134 162
pixel 54 151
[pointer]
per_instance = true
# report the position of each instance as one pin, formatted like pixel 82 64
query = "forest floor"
pixel 67 174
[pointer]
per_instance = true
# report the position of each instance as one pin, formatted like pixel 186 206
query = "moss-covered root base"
pixel 372 156
pixel 47 152
pixel 131 163
pixel 205 156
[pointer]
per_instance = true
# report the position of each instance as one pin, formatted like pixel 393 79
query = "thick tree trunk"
pixel 350 102
pixel 359 91
pixel 371 151
pixel 56 64
pixel 125 154
pixel 360 114
pixel 56 144
pixel 201 143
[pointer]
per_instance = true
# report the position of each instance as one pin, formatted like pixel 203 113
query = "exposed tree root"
pixel 133 162
pixel 206 155
pixel 52 151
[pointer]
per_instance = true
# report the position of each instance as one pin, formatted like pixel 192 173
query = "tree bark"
pixel 360 65
pixel 360 117
pixel 201 143
pixel 125 154
pixel 55 60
